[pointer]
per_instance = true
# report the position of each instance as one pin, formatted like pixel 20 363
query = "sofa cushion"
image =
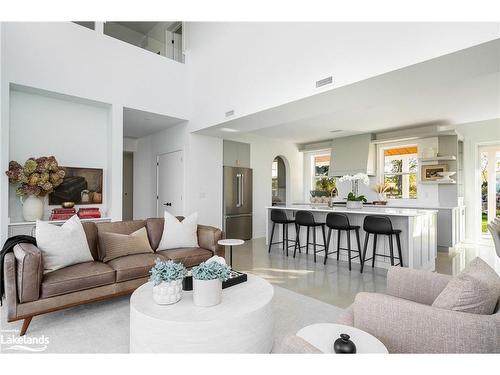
pixel 154 227
pixel 179 233
pixel 90 230
pixel 121 227
pixel 75 278
pixel 115 245
pixel 62 246
pixel 189 256
pixel 475 290
pixel 133 266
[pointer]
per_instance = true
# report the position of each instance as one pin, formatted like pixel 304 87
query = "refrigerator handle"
pixel 238 190
pixel 241 190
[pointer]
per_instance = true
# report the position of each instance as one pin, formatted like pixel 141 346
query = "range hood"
pixel 353 154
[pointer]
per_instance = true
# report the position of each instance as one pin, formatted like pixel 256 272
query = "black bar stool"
pixel 279 217
pixel 340 222
pixel 306 219
pixel 376 225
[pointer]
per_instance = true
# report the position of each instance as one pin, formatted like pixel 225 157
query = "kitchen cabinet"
pixel 236 154
pixel 451 226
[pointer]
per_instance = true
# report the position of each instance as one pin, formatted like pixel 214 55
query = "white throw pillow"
pixel 62 246
pixel 179 233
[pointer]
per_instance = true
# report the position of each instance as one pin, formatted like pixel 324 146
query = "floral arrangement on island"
pixel 167 277
pixel 381 190
pixel 354 200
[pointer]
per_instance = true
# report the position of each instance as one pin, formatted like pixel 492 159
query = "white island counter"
pixel 418 236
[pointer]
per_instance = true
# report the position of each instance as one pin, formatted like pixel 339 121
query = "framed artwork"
pixel 430 172
pixel 80 185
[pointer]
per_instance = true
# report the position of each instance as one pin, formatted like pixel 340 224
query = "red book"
pixel 89 209
pixel 60 216
pixel 63 211
pixel 89 215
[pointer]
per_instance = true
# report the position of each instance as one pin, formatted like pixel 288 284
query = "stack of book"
pixel 62 213
pixel 89 213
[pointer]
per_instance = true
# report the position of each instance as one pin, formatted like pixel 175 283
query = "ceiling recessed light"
pixel 229 130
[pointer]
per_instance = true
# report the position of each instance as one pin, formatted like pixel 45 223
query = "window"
pixel 319 168
pixel 400 172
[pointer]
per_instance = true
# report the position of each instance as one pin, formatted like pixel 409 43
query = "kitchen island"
pixel 418 236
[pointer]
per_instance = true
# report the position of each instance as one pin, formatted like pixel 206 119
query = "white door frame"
pixel 484 238
pixel 158 174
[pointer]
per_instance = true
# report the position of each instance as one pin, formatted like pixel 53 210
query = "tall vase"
pixel 32 208
pixel 207 292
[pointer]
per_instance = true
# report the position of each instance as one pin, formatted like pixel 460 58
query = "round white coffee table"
pixel 230 242
pixel 242 323
pixel 323 335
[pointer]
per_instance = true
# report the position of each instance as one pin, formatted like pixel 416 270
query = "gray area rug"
pixel 103 327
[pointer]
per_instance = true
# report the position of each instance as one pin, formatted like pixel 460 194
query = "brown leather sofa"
pixel 29 292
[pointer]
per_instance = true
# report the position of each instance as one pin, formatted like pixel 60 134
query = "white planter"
pixel 354 204
pixel 207 292
pixel 32 208
pixel 167 293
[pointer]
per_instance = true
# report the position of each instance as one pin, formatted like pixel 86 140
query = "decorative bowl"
pixel 445 176
pixel 68 204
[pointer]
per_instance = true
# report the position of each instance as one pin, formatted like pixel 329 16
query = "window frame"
pixel 313 177
pixel 382 174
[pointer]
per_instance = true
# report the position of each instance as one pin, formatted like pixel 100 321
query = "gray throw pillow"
pixel 475 290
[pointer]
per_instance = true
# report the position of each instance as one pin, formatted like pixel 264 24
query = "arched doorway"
pixel 278 182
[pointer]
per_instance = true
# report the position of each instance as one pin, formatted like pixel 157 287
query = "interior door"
pixel 128 186
pixel 170 175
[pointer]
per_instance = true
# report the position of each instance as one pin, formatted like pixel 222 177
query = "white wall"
pixel 475 134
pixel 202 171
pixel 67 59
pixel 249 67
pixel 77 134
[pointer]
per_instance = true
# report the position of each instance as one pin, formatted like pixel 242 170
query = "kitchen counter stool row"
pixel 372 224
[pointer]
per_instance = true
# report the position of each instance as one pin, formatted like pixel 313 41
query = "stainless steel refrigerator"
pixel 238 207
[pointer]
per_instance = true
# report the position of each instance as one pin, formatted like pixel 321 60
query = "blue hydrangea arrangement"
pixel 166 271
pixel 211 271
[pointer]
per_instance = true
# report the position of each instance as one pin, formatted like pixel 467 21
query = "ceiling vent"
pixel 336 131
pixel 230 113
pixel 324 82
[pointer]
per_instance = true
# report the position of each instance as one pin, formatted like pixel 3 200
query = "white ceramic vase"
pixel 207 292
pixel 32 208
pixel 354 204
pixel 167 293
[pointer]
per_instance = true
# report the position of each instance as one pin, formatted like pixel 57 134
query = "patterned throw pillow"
pixel 115 245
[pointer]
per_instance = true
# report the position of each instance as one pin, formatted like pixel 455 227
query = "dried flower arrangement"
pixel 38 176
pixel 382 188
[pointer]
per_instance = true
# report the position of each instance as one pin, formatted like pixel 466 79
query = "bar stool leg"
pixel 324 237
pixel 367 236
pixel 374 249
pixel 271 239
pixel 359 245
pixel 297 231
pixel 391 249
pixel 338 244
pixel 307 244
pixel 314 242
pixel 285 241
pixel 349 247
pixel 327 247
pixel 398 243
pixel 284 237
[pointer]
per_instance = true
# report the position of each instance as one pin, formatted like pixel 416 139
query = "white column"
pixel 99 27
pixel 406 178
pixel 115 163
pixel 4 147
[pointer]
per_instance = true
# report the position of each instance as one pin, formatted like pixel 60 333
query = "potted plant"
pixel 207 281
pixel 167 281
pixel 354 200
pixel 36 178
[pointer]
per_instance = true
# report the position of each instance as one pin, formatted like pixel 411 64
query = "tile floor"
pixel 334 283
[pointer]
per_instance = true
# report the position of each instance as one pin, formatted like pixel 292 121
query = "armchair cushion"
pixel 475 290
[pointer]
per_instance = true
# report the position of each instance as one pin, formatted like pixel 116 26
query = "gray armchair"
pixel 404 320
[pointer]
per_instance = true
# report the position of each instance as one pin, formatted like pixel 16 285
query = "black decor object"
pixel 234 278
pixel 344 345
